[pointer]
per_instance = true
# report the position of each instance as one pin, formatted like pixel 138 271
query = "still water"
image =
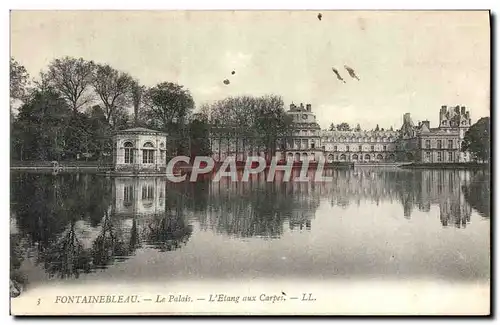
pixel 365 223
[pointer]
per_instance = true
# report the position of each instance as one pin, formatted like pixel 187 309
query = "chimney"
pixel 301 106
pixel 308 107
pixel 462 110
pixel 292 106
pixel 457 109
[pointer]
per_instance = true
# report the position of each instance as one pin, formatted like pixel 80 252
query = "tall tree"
pixel 38 132
pixel 167 107
pixel 377 128
pixel 272 124
pixel 71 78
pixel 199 134
pixel 113 88
pixel 477 140
pixel 136 94
pixel 358 128
pixel 168 104
pixel 332 127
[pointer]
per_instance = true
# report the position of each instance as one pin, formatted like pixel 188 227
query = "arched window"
pixel 148 153
pixel 129 152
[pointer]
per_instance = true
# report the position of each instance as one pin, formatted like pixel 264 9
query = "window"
pixel 439 145
pixel 385 148
pixel 147 156
pixel 450 144
pixel 360 148
pixel 148 153
pixel 439 156
pixel 335 148
pixel 373 148
pixel 312 145
pixel 129 152
pixel 347 148
pixel 427 155
pixel 450 156
pixel 427 144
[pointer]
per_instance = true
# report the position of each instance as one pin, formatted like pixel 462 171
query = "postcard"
pixel 250 162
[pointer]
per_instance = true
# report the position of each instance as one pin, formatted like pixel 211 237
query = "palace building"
pixel 411 143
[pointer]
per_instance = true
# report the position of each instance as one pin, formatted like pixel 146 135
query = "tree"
pixel 136 94
pixel 343 127
pixel 18 80
pixel 272 125
pixel 167 107
pixel 358 128
pixel 113 88
pixel 377 128
pixel 199 133
pixel 477 140
pixel 332 127
pixel 71 78
pixel 168 104
pixel 38 132
pixel 251 122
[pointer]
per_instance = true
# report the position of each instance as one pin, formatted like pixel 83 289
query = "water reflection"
pixel 72 224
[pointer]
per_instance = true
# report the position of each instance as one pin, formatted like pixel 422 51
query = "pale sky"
pixel 407 61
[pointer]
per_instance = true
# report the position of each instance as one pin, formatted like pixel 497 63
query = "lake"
pixel 367 223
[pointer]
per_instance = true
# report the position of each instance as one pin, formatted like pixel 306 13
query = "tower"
pixel 456 118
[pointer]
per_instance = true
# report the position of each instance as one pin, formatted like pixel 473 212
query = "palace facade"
pixel 411 143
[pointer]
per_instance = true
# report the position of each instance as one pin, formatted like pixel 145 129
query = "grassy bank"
pixel 62 165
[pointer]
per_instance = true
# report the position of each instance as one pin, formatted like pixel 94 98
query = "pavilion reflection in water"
pixel 140 204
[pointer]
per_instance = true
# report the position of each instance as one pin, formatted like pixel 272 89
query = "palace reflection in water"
pixel 74 224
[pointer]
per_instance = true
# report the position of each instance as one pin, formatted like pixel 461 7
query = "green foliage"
pixel 477 140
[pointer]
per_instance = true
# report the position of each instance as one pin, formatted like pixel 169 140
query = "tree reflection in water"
pixel 78 223
pixel 478 192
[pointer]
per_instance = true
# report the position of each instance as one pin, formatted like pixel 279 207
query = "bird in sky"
pixel 226 82
pixel 351 72
pixel 233 72
pixel 339 77
pixel 319 16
